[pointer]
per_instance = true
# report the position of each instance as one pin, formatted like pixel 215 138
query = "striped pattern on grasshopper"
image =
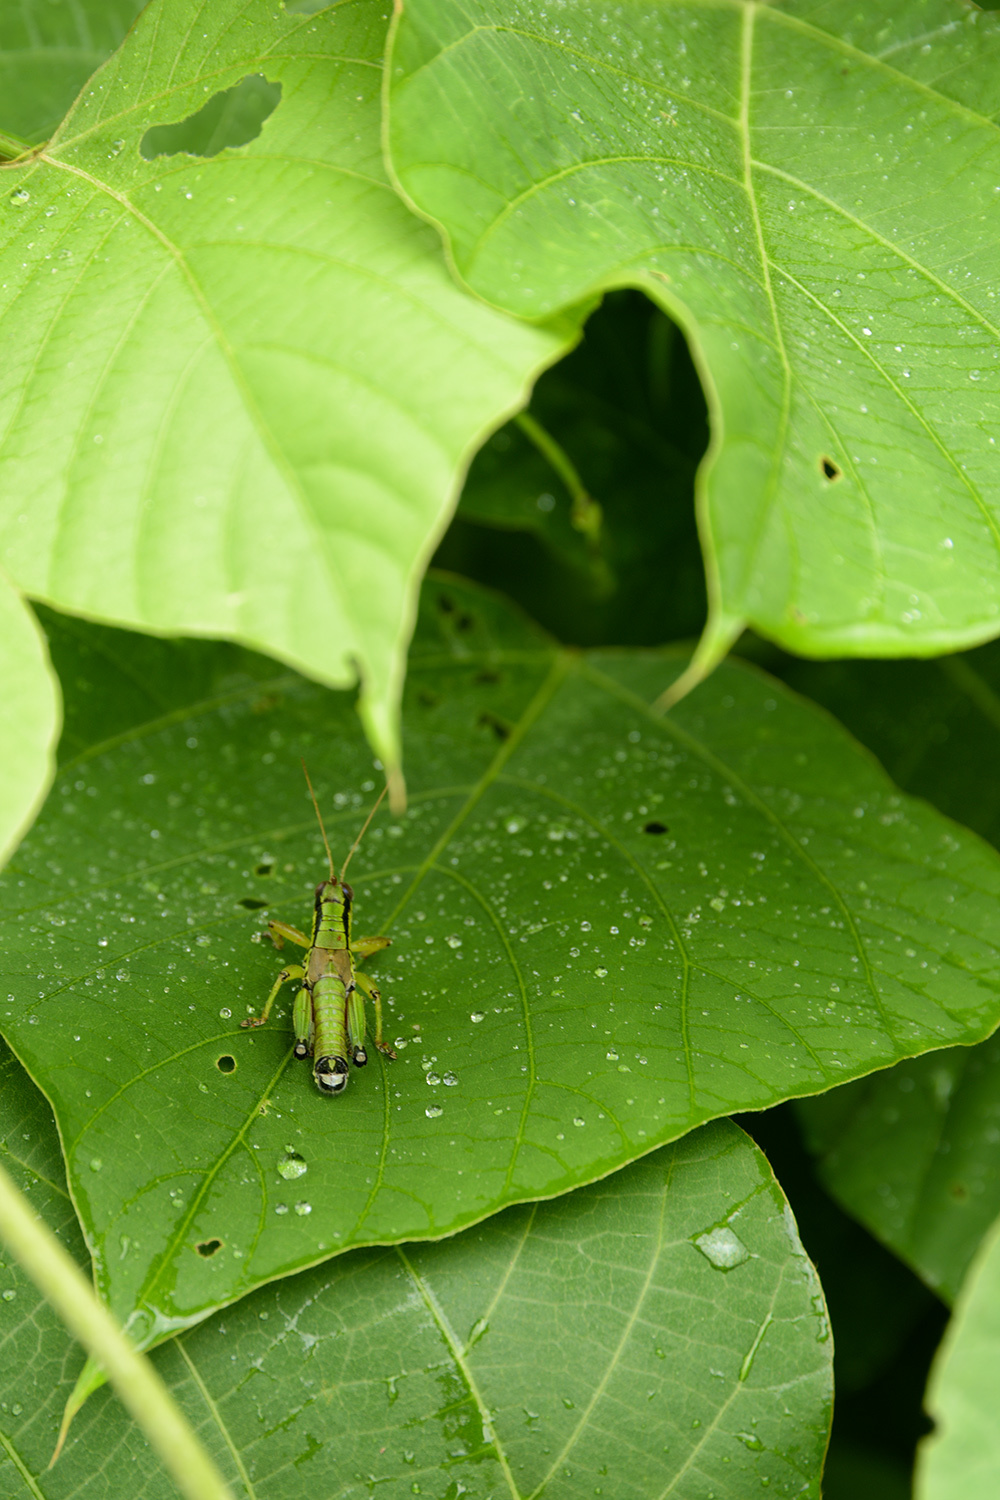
pixel 328 1015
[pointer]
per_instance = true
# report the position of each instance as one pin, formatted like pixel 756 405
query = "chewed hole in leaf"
pixel 226 1063
pixel 831 471
pixel 655 828
pixel 231 118
pixel 252 903
pixel 498 726
pixel 208 1248
pixel 266 867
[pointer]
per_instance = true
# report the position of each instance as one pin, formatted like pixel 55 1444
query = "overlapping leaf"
pixel 238 393
pixel 665 1326
pixel 962 1457
pixel 814 193
pixel 607 928
pixel 915 1153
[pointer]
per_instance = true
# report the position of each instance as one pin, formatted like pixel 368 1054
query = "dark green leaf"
pixel 589 1341
pixel 607 927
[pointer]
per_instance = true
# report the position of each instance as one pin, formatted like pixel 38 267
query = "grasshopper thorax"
pixel 330 1074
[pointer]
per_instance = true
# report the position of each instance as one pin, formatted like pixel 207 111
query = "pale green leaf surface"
pixel 573 985
pixel 961 1459
pixel 30 712
pixel 555 1342
pixel 47 53
pixel 814 193
pixel 238 393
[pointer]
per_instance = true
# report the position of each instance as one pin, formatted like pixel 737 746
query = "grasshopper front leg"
pixel 294 971
pixel 279 931
pixel 368 988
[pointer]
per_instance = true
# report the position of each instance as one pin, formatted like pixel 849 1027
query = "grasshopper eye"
pixel 360 1057
pixel 301 1049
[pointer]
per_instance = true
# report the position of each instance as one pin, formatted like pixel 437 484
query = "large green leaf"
pixel 239 392
pixel 813 193
pixel 915 1153
pixel 47 53
pixel 961 1460
pixel 608 927
pixel 663 1328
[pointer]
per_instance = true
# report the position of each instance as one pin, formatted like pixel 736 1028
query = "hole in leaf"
pixel 831 470
pixel 226 1063
pixel 264 868
pixel 251 903
pixel 231 118
pixel 655 828
pixel 500 727
pixel 208 1247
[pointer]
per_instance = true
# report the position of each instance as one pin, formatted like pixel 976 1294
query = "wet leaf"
pixel 240 388
pixel 812 194
pixel 528 1352
pixel 607 928
pixel 915 1153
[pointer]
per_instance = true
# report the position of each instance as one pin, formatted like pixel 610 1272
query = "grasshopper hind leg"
pixel 368 988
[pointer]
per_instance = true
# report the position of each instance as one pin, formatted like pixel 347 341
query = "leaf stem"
pixel 11 147
pixel 141 1390
pixel 586 515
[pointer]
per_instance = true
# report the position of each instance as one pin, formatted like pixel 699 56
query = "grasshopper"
pixel 328 1015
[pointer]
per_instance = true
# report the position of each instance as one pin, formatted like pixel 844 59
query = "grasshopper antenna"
pixel 319 819
pixel 361 835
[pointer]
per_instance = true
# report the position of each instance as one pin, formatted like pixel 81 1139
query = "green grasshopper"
pixel 328 1016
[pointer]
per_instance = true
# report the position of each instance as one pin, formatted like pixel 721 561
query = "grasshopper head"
pixel 360 1057
pixel 301 1049
pixel 330 1074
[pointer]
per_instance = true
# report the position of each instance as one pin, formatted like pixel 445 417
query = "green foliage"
pixel 244 383
pixel 720 183
pixel 530 1351
pixel 963 1457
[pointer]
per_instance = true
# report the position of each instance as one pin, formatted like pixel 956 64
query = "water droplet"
pixel 478 1329
pixel 601 973
pixel 117 147
pixel 449 1080
pixel 751 1441
pixel 612 1055
pixel 433 1111
pixel 96 1164
pixel 19 196
pixel 579 1121
pixel 453 941
pixel 9 1295
pixel 477 1016
pixel 225 1013
pixel 433 1079
pixel 723 1248
pixel 293 1166
pixel 281 1208
pixel 303 1208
